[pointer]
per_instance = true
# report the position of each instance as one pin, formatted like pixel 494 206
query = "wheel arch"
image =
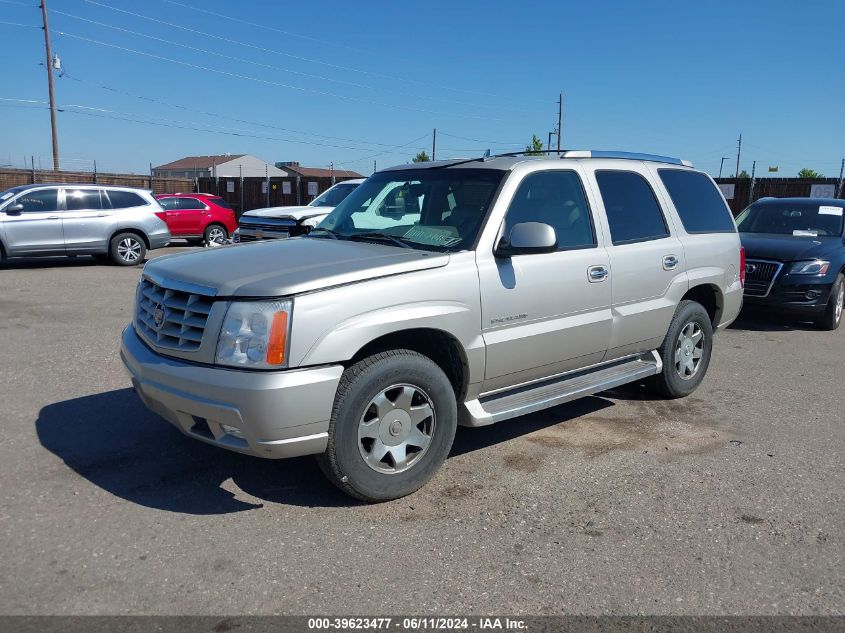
pixel 129 229
pixel 710 297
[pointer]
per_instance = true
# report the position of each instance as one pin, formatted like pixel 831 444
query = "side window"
pixel 83 200
pixel 168 204
pixel 42 201
pixel 125 199
pixel 632 210
pixel 555 198
pixel 698 202
pixel 190 203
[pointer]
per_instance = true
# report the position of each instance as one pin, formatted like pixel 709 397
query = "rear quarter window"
pixel 698 202
pixel 125 199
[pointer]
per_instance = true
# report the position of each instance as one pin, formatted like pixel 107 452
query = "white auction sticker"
pixel 827 210
pixel 802 233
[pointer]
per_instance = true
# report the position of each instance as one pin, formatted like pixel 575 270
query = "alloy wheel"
pixel 396 428
pixel 216 235
pixel 689 350
pixel 129 250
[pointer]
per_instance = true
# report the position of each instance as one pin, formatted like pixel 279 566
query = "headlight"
pixel 817 267
pixel 313 222
pixel 255 334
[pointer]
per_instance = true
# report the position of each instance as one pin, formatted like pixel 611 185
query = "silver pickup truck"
pixel 437 294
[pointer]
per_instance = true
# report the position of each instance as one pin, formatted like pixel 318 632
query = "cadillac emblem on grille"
pixel 158 316
pixel 751 268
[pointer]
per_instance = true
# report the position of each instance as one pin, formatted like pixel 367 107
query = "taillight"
pixel 162 215
pixel 742 266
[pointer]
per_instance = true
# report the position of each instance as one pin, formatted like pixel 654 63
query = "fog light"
pixel 231 430
pixel 812 294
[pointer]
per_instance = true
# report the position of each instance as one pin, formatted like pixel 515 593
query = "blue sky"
pixel 353 82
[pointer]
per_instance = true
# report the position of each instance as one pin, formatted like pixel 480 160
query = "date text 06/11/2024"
pixel 416 623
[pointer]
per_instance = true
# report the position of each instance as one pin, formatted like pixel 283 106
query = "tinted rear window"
pixel 698 202
pixel 125 199
pixel 632 210
pixel 220 202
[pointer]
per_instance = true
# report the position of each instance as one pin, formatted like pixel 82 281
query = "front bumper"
pixel 276 414
pixel 789 295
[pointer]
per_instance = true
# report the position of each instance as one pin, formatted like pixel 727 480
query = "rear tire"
pixel 127 249
pixel 685 352
pixel 392 426
pixel 215 233
pixel 832 317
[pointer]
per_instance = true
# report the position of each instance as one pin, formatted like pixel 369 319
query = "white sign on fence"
pixel 264 186
pixel 822 191
pixel 230 186
pixel 286 188
pixel 312 188
pixel 728 191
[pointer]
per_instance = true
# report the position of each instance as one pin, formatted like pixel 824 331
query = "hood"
pixel 277 268
pixel 787 248
pixel 297 213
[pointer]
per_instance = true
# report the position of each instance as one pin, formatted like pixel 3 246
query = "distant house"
pixel 316 172
pixel 221 166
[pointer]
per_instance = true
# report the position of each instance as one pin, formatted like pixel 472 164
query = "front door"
pixel 37 228
pixel 188 218
pixel 549 313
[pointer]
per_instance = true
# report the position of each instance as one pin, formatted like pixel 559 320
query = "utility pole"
pixel 841 171
pixel 50 85
pixel 738 152
pixel 549 144
pixel 751 188
pixel 331 170
pixel 724 158
pixel 559 120
pixel 375 169
pixel 433 143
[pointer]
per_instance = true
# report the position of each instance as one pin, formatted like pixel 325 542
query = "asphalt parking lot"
pixel 731 501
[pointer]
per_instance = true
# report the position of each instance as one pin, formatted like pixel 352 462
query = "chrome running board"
pixel 566 388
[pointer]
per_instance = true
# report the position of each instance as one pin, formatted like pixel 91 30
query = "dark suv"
pixel 795 257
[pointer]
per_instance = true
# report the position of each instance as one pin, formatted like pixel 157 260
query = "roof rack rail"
pixel 579 153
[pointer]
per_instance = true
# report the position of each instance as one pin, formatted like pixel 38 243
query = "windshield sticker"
pixel 433 235
pixel 800 233
pixel 826 210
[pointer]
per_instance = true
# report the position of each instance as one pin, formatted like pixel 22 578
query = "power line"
pixel 28 26
pixel 372 156
pixel 266 81
pixel 476 140
pixel 242 60
pixel 283 53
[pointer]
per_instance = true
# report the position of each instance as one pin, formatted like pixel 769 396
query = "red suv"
pixel 198 217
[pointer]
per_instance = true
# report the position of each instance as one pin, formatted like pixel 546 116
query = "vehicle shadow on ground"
pixel 114 442
pixel 757 321
pixel 60 261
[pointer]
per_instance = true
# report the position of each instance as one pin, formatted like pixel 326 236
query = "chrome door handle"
pixel 670 262
pixel 597 274
pixel 53 217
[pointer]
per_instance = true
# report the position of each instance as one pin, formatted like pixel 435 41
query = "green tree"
pixel 422 157
pixel 809 173
pixel 744 174
pixel 536 147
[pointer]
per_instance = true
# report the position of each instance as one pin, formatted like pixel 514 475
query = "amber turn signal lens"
pixel 278 339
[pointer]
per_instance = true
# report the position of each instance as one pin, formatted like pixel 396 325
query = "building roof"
pixel 199 162
pixel 317 172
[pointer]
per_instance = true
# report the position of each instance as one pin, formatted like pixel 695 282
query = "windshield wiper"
pixel 375 235
pixel 329 232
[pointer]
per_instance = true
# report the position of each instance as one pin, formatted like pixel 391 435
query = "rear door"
pixel 546 313
pixel 648 271
pixel 85 220
pixel 38 227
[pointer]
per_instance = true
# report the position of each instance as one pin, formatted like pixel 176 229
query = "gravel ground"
pixel 730 501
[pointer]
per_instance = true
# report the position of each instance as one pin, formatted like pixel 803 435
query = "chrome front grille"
pixel 760 275
pixel 267 228
pixel 174 319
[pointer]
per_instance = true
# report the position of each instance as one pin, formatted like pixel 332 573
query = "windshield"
pixel 431 209
pixel 799 218
pixel 333 196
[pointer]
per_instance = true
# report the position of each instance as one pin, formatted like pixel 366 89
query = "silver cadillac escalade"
pixel 440 294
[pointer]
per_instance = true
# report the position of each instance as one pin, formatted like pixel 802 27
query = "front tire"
pixel 832 316
pixel 127 249
pixel 685 351
pixel 392 426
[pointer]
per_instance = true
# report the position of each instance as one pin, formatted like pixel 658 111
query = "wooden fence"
pixel 257 192
pixel 15 177
pixel 743 194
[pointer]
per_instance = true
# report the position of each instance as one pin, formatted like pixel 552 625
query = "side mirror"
pixel 527 238
pixel 15 209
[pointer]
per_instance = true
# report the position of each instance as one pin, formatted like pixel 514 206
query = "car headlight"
pixel 816 267
pixel 313 222
pixel 255 334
